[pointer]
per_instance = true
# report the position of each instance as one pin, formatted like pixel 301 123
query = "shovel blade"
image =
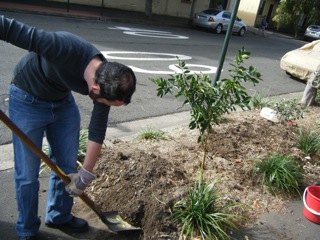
pixel 115 223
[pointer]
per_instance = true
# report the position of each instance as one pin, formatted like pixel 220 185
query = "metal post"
pixel 226 42
pixel 68 5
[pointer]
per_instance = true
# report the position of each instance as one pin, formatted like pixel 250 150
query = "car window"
pixel 226 15
pixel 211 11
pixel 315 27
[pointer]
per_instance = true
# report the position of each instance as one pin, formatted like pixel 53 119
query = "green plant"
pixel 279 172
pixel 317 100
pixel 308 142
pixel 259 101
pixel 151 134
pixel 209 103
pixel 83 139
pixel 200 215
pixel 288 110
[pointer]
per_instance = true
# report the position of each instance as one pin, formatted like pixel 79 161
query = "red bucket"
pixel 311 200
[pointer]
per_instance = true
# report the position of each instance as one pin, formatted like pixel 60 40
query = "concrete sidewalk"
pixel 122 131
pixel 89 12
pixel 63 9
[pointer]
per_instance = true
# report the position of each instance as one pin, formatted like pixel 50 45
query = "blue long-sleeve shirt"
pixel 54 66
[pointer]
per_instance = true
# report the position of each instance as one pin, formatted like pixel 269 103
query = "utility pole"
pixel 226 42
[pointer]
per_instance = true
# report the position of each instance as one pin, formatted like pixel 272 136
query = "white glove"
pixel 79 181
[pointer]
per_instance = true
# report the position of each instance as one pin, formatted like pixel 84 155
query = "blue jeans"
pixel 60 121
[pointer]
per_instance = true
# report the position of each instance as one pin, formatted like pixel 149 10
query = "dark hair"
pixel 116 81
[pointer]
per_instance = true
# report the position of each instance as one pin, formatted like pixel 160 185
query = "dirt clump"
pixel 142 180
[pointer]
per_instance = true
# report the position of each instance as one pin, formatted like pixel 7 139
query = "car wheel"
pixel 218 29
pixel 241 32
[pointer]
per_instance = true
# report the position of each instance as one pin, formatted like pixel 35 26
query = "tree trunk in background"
pixel 310 91
pixel 211 3
pixel 148 9
pixel 192 11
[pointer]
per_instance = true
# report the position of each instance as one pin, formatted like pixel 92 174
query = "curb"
pixel 124 131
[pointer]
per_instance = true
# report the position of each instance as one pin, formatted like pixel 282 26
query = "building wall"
pixel 248 9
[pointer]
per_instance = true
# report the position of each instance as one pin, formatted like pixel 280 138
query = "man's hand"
pixel 79 181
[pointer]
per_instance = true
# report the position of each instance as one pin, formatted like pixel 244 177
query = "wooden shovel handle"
pixel 66 180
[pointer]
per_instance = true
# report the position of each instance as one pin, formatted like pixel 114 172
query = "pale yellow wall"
pixel 248 11
pixel 247 8
pixel 177 8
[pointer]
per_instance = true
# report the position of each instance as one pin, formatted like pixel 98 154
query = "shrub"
pixel 200 215
pixel 209 103
pixel 279 172
pixel 151 134
pixel 308 142
pixel 288 110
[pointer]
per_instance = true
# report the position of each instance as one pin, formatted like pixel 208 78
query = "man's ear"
pixel 96 88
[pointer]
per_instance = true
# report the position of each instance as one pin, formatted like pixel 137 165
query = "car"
pixel 218 20
pixel 302 62
pixel 312 32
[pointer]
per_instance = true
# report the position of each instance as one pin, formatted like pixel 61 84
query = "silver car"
pixel 313 32
pixel 218 20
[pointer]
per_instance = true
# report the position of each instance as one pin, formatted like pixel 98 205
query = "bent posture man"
pixel 41 102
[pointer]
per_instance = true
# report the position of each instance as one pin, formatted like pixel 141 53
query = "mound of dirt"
pixel 142 180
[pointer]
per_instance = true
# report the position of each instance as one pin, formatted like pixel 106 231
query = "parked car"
pixel 303 61
pixel 218 20
pixel 313 32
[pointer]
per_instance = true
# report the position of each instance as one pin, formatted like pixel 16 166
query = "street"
pixel 151 51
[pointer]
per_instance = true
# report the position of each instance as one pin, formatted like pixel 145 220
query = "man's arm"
pixel 81 179
pixel 92 154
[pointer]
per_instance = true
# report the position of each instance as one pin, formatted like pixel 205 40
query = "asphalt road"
pixel 151 51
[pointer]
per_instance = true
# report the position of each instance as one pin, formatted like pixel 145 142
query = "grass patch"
pixel 279 172
pixel 200 215
pixel 259 101
pixel 151 134
pixel 308 142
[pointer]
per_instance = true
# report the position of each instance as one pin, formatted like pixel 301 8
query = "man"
pixel 263 25
pixel 41 102
pixel 219 6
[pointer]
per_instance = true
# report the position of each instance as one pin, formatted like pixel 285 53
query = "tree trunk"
pixel 192 11
pixel 310 91
pixel 148 9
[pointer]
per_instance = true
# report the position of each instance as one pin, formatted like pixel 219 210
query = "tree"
pixel 292 12
pixel 148 9
pixel 209 103
pixel 310 91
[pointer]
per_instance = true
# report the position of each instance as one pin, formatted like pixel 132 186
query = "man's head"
pixel 116 81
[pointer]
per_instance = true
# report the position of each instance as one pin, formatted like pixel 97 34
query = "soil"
pixel 143 179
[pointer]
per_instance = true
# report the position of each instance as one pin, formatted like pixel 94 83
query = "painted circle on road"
pixel 148 33
pixel 175 69
pixel 156 35
pixel 210 70
pixel 139 56
pixel 143 56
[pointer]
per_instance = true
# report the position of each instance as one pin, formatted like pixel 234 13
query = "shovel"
pixel 112 219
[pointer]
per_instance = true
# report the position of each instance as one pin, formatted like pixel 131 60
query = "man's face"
pixel 116 103
pixel 100 99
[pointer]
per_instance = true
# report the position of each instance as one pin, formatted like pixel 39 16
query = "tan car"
pixel 301 62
